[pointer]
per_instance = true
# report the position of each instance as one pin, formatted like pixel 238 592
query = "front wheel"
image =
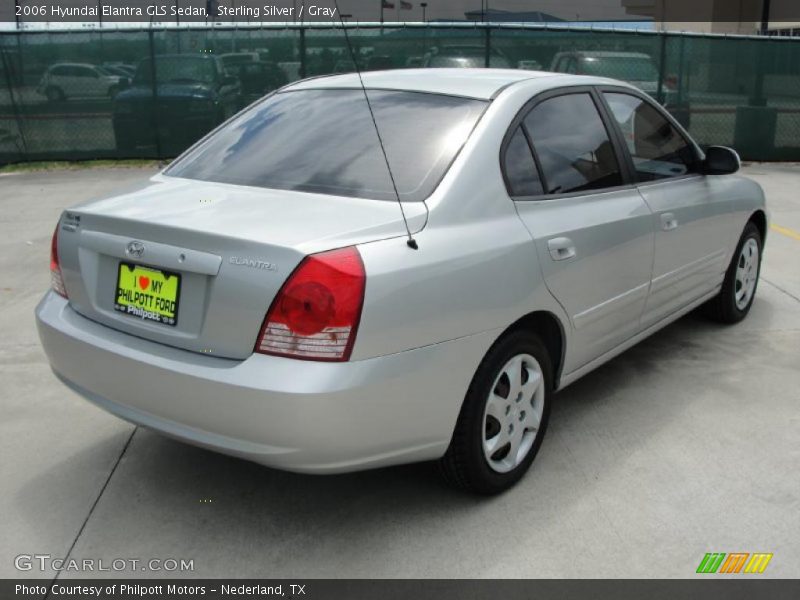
pixel 503 418
pixel 741 279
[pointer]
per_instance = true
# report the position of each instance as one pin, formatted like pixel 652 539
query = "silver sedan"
pixel 280 294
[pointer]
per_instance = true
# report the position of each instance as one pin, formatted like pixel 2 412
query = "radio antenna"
pixel 410 242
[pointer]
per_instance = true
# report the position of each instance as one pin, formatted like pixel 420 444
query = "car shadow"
pixel 163 492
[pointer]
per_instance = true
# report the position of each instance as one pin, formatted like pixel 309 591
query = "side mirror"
pixel 721 161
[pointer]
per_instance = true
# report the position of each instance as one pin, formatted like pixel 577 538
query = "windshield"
pixel 621 67
pixel 324 141
pixel 176 69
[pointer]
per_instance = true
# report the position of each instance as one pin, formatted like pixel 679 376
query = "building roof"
pixel 496 15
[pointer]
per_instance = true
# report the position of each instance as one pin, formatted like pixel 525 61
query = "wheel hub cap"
pixel 513 413
pixel 746 274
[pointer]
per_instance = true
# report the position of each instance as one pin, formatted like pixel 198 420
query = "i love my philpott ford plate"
pixel 148 294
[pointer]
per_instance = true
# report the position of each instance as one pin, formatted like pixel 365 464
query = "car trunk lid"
pixel 232 248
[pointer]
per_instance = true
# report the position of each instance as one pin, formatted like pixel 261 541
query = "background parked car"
pixel 343 66
pixel 377 62
pixel 636 68
pixel 465 56
pixel 193 94
pixel 257 77
pixel 79 80
pixel 121 69
pixel 530 65
pixel 233 58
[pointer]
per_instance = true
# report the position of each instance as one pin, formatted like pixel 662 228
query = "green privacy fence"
pixel 149 93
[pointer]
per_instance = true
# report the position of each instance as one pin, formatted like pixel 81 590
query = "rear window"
pixel 323 141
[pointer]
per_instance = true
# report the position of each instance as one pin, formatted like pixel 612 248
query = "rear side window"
pixel 572 144
pixel 324 141
pixel 658 150
pixel 521 176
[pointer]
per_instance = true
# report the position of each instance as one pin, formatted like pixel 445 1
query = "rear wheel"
pixel 503 418
pixel 741 279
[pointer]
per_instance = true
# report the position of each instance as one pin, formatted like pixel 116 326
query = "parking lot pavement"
pixel 686 444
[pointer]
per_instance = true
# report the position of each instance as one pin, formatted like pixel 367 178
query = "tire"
pixel 54 94
pixel 473 460
pixel 731 305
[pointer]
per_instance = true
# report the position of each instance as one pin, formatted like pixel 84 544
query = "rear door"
pixel 690 217
pixel 591 227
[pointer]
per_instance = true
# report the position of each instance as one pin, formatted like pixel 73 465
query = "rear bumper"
pixel 295 415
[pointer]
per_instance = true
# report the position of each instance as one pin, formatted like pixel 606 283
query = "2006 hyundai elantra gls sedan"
pixel 260 297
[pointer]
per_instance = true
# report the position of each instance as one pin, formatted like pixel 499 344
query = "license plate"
pixel 148 294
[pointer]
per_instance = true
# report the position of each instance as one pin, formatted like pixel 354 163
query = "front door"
pixel 690 219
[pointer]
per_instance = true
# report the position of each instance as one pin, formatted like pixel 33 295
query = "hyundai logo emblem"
pixel 135 249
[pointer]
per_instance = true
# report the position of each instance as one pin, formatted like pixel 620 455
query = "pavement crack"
pixel 91 509
pixel 779 288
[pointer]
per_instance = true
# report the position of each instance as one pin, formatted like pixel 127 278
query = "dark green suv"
pixel 173 101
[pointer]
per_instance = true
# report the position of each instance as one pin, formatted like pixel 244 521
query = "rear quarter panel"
pixel 476 268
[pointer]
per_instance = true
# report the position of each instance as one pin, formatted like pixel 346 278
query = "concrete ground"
pixel 686 444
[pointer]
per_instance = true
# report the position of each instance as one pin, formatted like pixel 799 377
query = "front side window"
pixel 572 144
pixel 658 150
pixel 520 169
pixel 324 141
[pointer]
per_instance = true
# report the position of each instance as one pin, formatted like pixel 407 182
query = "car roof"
pixel 600 54
pixel 72 64
pixel 482 84
pixel 191 56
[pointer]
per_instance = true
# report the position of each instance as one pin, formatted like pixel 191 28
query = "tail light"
pixel 671 82
pixel 316 313
pixel 56 280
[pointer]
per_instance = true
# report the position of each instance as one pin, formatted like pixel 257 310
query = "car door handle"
pixel 561 248
pixel 668 221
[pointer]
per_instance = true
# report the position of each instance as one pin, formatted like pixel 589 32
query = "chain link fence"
pixel 150 93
